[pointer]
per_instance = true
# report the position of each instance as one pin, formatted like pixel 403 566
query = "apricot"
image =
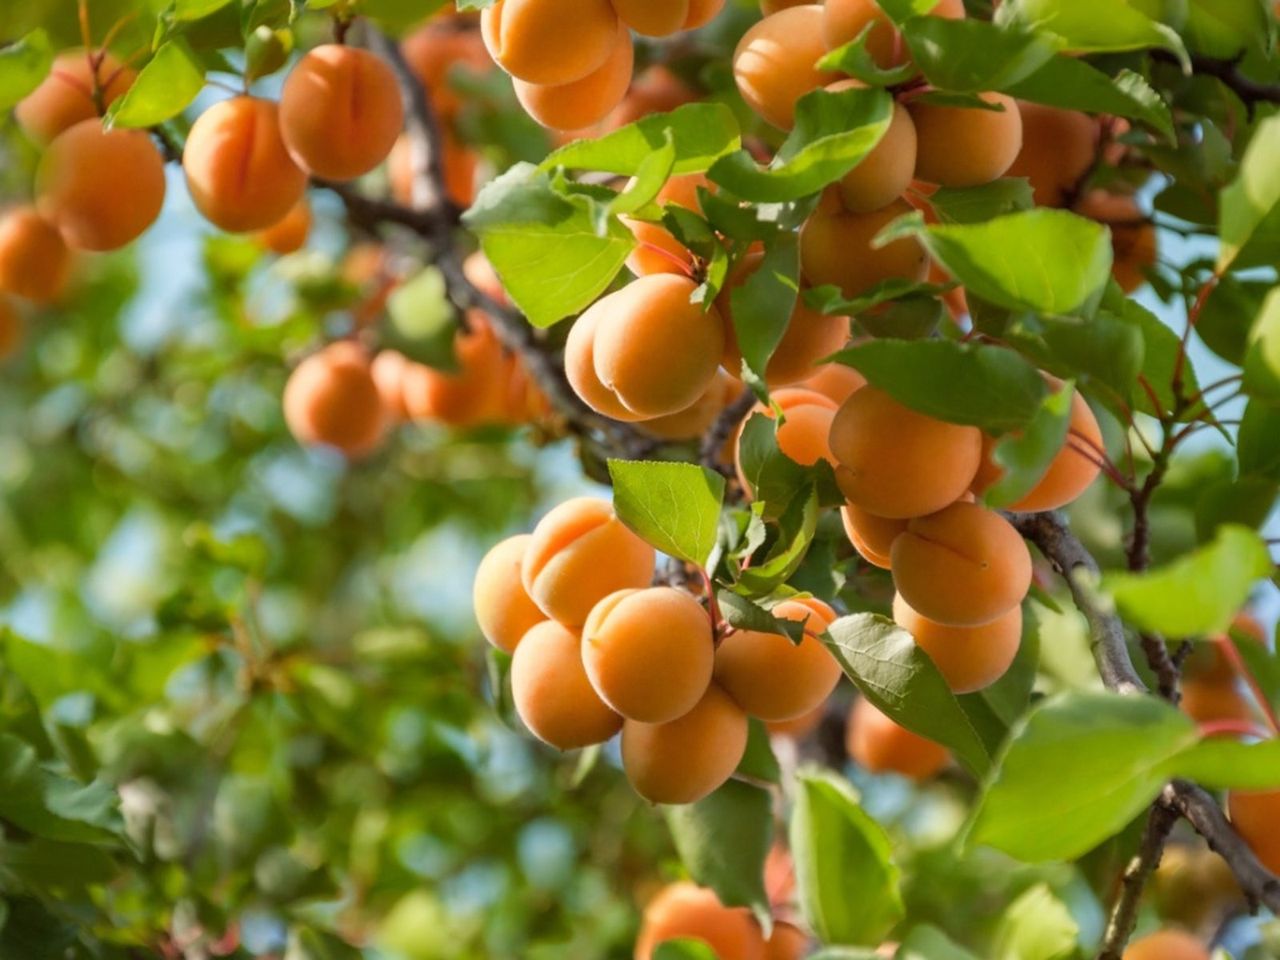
pixel 879 744
pixel 12 328
pixel 340 111
pixel 963 566
pixel 653 18
pixel 897 463
pixel 239 173
pixel 885 173
pixel 657 251
pixel 693 422
pixel 581 103
pixel 685 911
pixel 552 694
pixel 656 90
pixel 772 678
pixel 702 12
pixel 685 760
pixel 787 942
pixel 469 395
pixel 649 653
pixel 458 164
pixel 768 7
pixel 654 349
pixel 580 370
pixel 580 554
pixel 1133 235
pixel 439 49
pixel 871 536
pixel 504 610
pixel 1211 701
pixel 774 63
pixel 1167 945
pixel 390 369
pixel 1058 150
pixel 331 399
pixel 288 234
pixel 100 188
pixel 844 20
pixel 970 658
pixel 66 96
pixel 835 380
pixel 35 263
pixel 966 146
pixel 803 435
pixel 1254 814
pixel 550 41
pixel 836 248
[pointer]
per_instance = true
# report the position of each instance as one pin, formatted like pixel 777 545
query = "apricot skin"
pixel 289 234
pixel 805 429
pixel 34 260
pixel 434 52
pixel 467 396
pixel 653 18
pixel 503 608
pixel 970 658
pixel 649 653
pixel 844 20
pixel 81 185
pixel 787 943
pixel 580 370
pixel 657 251
pixel 963 566
pixel 885 173
pixel 871 536
pixel 1254 815
pixel 331 399
pixel 966 146
pixel 65 97
pixel 550 41
pixel 774 63
pixel 584 102
pixel 702 12
pixel 897 463
pixel 1209 701
pixel 581 553
pixel 1133 236
pixel 772 678
pixel 1167 945
pixel 12 328
pixel 1058 149
pixel 552 694
pixel 687 759
pixel 693 422
pixel 878 744
pixel 835 380
pixel 239 173
pixel 682 910
pixel 835 248
pixel 340 111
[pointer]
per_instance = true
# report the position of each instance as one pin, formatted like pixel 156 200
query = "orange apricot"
pixel 806 426
pixel 836 248
pixel 464 397
pixel 1254 814
pixel 885 173
pixel 331 399
pixel 835 380
pixel 788 942
pixel 1211 701
pixel 871 536
pixel 389 370
pixel 458 164
pixel 289 233
pixel 12 328
pixel 340 111
pixel 970 658
pixel 239 173
pixel 580 554
pixel 686 759
pixel 693 422
pixel 896 463
pixel 581 103
pixel 434 52
pixel 844 20
pixel 580 370
pixel 550 41
pixel 1167 945
pixel 768 7
pixel 684 911
pixel 774 63
pixel 773 678
pixel 653 18
pixel 1133 235
pixel 66 96
pixel 966 146
pixel 649 652
pixel 1058 149
pixel 878 744
pixel 35 263
pixel 503 608
pixel 100 188
pixel 962 566
pixel 552 694
pixel 657 251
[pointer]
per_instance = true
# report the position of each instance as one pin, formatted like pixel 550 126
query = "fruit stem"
pixel 1229 649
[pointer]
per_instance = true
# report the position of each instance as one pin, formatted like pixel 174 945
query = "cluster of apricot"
pixel 684 911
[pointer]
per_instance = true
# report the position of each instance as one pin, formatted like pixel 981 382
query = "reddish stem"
pixel 1231 728
pixel 713 605
pixel 1193 317
pixel 685 267
pixel 1229 649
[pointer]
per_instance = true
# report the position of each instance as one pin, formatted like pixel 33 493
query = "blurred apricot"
pixel 438 50
pixel 289 233
pixel 685 911
pixel 836 248
pixel 835 380
pixel 1255 814
pixel 1167 945
pixel 787 942
pixel 12 328
pixel 503 608
pixel 1133 235
pixel 1058 149
pixel 331 399
pixel 774 64
pixel 66 96
pixel 1211 701
pixel 35 263
pixel 552 694
pixel 879 744
pixel 469 395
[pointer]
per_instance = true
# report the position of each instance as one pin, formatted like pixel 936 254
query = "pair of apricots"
pixel 684 911
pixel 35 266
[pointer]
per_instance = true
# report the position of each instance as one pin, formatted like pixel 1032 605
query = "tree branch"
pixel 1201 810
pixel 1124 915
pixel 1228 72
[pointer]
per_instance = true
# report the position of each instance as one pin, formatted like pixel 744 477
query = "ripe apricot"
pixel 580 370
pixel 653 18
pixel 684 760
pixel 885 173
pixel 897 463
pixel 835 380
pixel 1133 235
pixel 970 658
pixel 1058 149
pixel 653 349
pixel 966 146
pixel 871 536
pixel 879 744
pixel 649 653
pixel 340 111
pixel 836 248
pixel 803 435
pixel 656 90
pixel 239 173
pixel 12 328
pixel 1210 701
pixel 289 233
pixel 685 911
pixel 693 422
pixel 437 50
pixel 772 678
pixel 702 12
pixel 550 41
pixel 100 188
pixel 552 694
pixel 389 370
pixel 962 566
pixel 788 942
pixel 580 554
pixel 657 251
pixel 581 103
pixel 844 20
pixel 331 399
pixel 503 608
pixel 774 63
pixel 1254 814
pixel 464 397
pixel 34 260
pixel 66 96
pixel 1167 945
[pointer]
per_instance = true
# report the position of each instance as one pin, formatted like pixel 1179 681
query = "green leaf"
pixel 985 386
pixel 1262 359
pixel 684 949
pixel 743 614
pixel 930 943
pixel 701 133
pixel 23 65
pixel 1025 456
pixel 758 762
pixel 1226 28
pixel 723 841
pixel 1161 348
pixel 196 9
pixel 832 135
pixel 1103 348
pixel 1091 26
pixel 972 55
pixel 796 527
pixel 1224 764
pixel 900 679
pixel 1037 926
pixel 1248 214
pixel 855 60
pixel 1258 444
pixel 771 475
pixel 673 506
pixel 421 320
pixel 1073 84
pixel 847 881
pixel 1247 501
pixel 167 85
pixel 648 181
pixel 307 943
pixel 51 806
pixel 763 304
pixel 50 863
pixel 1200 592
pixel 1228 314
pixel 981 203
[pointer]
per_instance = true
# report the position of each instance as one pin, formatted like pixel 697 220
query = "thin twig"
pixel 1124 913
pixel 1249 91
